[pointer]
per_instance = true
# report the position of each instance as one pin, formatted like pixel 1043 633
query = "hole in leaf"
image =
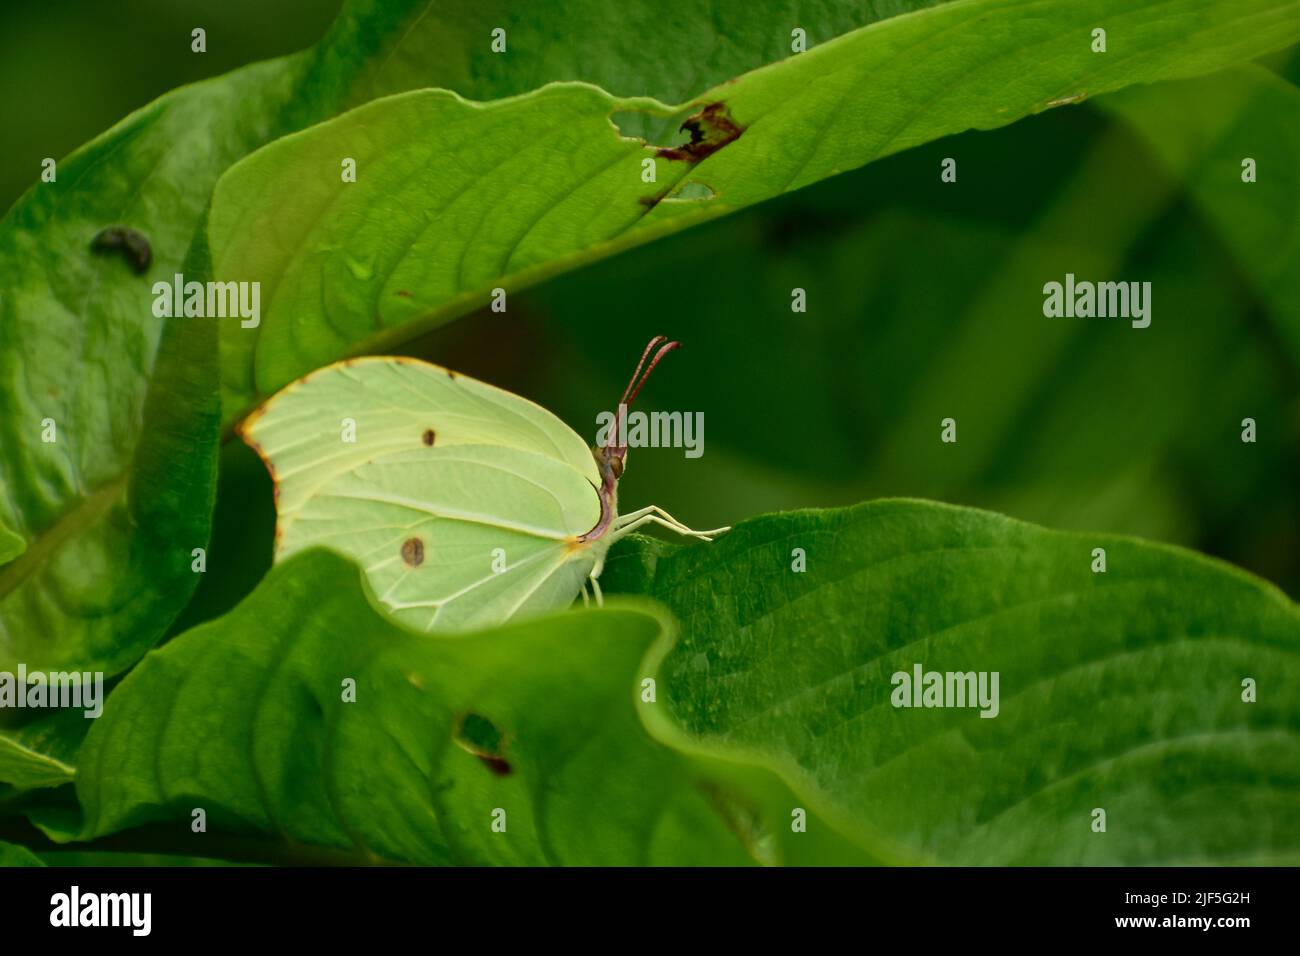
pixel 707 131
pixel 479 736
pixel 650 127
pixel 692 190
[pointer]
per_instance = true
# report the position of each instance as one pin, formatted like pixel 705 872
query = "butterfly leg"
pixel 655 519
pixel 682 528
pixel 595 589
pixel 666 520
pixel 586 601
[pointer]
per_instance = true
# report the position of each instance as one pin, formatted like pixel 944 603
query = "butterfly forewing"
pixel 347 414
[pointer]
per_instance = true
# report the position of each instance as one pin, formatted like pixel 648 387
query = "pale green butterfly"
pixel 466 505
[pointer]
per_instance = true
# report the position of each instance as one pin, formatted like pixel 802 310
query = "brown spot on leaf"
pixel 651 201
pixel 428 436
pixel 498 765
pixel 403 293
pixel 413 552
pixel 710 129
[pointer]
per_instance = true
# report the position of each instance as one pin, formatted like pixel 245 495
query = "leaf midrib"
pixel 83 515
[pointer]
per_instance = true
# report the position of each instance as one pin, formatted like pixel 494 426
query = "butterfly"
pixel 466 505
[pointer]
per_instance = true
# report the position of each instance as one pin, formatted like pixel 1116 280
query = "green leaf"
pixel 634 48
pixel 245 718
pixel 11 855
pixel 113 505
pixel 454 198
pixel 1119 690
pixel 40 754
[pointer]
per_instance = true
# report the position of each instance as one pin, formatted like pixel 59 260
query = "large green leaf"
pixel 634 48
pixel 105 473
pixel 453 198
pixel 1120 690
pixel 244 718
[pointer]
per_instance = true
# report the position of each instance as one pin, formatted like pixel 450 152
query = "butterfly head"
pixel 611 456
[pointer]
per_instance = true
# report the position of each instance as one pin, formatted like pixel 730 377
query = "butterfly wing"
pixel 457 537
pixel 387 405
pixel 463 503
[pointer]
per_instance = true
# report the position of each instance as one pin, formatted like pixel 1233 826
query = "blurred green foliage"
pixel 70 69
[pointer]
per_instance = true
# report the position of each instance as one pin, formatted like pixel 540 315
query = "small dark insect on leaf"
pixel 428 437
pixel 133 246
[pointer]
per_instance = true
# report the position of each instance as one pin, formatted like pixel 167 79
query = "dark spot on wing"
pixel 428 436
pixel 132 245
pixel 413 552
pixel 710 129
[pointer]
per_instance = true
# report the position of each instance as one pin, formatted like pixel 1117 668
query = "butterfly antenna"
pixel 663 350
pixel 639 379
pixel 644 355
